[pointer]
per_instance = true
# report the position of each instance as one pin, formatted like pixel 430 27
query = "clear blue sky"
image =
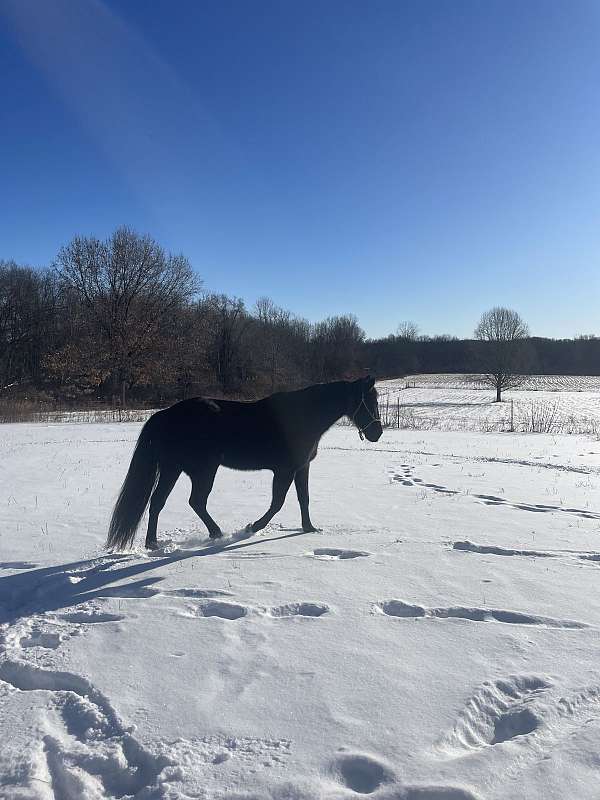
pixel 398 160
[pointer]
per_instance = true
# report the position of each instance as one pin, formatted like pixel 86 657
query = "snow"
pixel 437 639
pixel 457 402
pixel 533 383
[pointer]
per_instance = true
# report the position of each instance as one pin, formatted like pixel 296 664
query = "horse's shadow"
pixel 61 586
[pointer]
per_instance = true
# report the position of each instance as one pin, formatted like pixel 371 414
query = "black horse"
pixel 197 436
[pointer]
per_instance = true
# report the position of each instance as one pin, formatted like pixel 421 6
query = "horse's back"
pixel 244 435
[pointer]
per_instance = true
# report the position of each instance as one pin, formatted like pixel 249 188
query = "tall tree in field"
pixel 502 334
pixel 129 287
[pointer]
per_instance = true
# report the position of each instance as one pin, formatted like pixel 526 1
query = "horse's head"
pixel 363 409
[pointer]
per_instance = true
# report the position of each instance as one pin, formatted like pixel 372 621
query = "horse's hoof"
pixel 152 545
pixel 253 527
pixel 215 534
pixel 311 529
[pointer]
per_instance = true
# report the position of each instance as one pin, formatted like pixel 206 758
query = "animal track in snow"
pixel 298 610
pixel 536 508
pixel 361 773
pixel 335 554
pixel 398 608
pixel 216 608
pixel 405 477
pixel 88 751
pixel 367 775
pixel 233 611
pixel 487 549
pixel 499 710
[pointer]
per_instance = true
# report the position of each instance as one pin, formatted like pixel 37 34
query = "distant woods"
pixel 121 320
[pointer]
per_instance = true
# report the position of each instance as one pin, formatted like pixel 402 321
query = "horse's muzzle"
pixel 373 432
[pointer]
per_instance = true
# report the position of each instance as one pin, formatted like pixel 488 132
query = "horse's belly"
pixel 246 462
pixel 245 456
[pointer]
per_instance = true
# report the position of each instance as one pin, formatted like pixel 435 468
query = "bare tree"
pixel 28 311
pixel 227 352
pixel 129 286
pixel 502 334
pixel 408 331
pixel 335 347
pixel 273 339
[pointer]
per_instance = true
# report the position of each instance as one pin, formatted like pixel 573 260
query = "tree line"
pixel 123 320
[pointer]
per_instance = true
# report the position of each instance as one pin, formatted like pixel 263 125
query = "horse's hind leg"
pixel 202 483
pixel 282 480
pixel 166 482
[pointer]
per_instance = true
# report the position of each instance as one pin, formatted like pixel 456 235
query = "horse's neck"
pixel 329 405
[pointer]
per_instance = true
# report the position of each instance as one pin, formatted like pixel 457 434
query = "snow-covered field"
pixel 441 403
pixel 531 383
pixel 438 640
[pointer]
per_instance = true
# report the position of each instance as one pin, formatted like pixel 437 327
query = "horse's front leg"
pixel 301 481
pixel 282 480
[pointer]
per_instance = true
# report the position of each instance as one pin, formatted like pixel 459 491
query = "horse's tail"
pixel 138 485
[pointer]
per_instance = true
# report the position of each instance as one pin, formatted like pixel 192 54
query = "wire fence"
pixel 28 411
pixel 535 416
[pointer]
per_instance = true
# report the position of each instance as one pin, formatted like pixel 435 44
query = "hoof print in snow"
pixel 224 610
pixel 335 554
pixel 299 610
pixel 499 711
pixel 398 608
pixel 515 722
pixel 361 773
pixel 486 549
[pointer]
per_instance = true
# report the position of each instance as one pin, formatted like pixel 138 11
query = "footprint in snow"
pixel 497 712
pixel 406 479
pixel 298 610
pixel 364 774
pixel 486 549
pixel 233 611
pixel 223 610
pixel 87 750
pixel 398 608
pixel 335 554
pixel 360 772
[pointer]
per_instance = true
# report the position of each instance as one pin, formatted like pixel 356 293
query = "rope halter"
pixel 361 430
